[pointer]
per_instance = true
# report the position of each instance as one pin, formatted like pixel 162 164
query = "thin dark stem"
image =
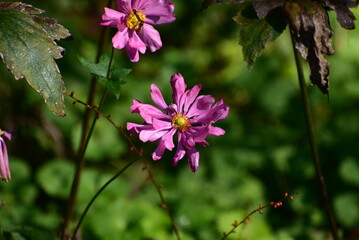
pixel 260 210
pixel 93 85
pixel 98 193
pixel 81 161
pixel 313 145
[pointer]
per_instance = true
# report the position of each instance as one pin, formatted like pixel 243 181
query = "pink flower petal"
pixel 137 128
pixel 152 135
pixel 136 42
pixel 180 152
pixel 216 131
pixel 218 112
pixel 198 133
pixel 157 11
pixel 193 159
pixel 150 37
pixel 159 124
pixel 188 141
pixel 157 97
pixel 4 161
pixel 7 135
pixel 120 39
pixel 158 153
pixel 148 112
pixel 111 18
pixel 178 87
pixel 124 5
pixel 201 105
pixel 132 53
pixel 190 96
pixel 168 139
pixel 134 45
pixel 221 111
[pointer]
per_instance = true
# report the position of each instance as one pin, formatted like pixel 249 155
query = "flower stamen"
pixel 135 20
pixel 180 122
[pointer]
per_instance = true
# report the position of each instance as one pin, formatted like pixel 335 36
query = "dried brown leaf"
pixel 344 16
pixel 310 27
pixel 263 7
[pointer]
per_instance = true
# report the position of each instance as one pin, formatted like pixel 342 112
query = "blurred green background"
pixel 263 154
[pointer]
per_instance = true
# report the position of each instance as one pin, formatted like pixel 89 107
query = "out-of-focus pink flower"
pixel 190 116
pixel 4 159
pixel 134 24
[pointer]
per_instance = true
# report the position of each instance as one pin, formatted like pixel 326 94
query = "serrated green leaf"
pixel 98 69
pixel 113 86
pixel 116 80
pixel 29 52
pixel 119 73
pixel 254 33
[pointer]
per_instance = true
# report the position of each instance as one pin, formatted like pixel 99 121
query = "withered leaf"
pixel 22 7
pixel 312 33
pixel 207 3
pixel 54 30
pixel 263 7
pixel 344 16
pixel 254 33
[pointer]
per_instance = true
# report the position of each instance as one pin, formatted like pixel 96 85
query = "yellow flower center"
pixel 180 122
pixel 135 20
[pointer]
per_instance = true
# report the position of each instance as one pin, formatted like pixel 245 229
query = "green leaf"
pixel 116 80
pixel 28 49
pixel 119 73
pixel 98 69
pixel 113 86
pixel 254 33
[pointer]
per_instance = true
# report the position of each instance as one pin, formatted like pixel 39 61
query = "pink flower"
pixel 134 24
pixel 190 116
pixel 4 160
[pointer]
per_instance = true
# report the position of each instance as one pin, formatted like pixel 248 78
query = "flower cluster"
pixel 190 116
pixel 134 24
pixel 4 159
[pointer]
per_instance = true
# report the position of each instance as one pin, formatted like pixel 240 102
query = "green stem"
pixel 313 145
pixel 81 161
pixel 98 193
